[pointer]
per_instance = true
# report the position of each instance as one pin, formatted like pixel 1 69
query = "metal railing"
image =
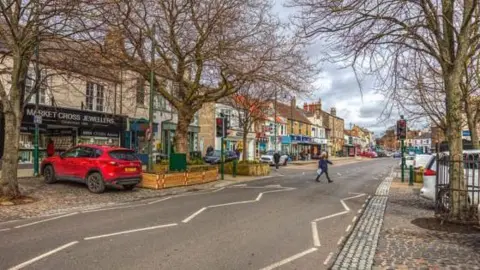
pixel 465 193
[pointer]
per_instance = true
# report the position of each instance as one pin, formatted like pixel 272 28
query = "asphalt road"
pixel 284 222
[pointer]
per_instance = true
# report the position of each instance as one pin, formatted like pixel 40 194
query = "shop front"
pixel 234 142
pixel 261 144
pixel 168 135
pixel 286 145
pixel 66 128
pixel 300 146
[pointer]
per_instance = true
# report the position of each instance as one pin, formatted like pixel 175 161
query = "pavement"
pixel 287 221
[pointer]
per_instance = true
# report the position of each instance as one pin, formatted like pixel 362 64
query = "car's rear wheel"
pixel 49 174
pixel 95 183
pixel 129 187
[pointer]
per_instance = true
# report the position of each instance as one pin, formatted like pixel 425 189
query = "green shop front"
pixel 168 135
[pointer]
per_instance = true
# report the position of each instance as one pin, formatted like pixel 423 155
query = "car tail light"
pixel 429 172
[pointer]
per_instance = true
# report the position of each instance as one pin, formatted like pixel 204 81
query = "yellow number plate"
pixel 130 169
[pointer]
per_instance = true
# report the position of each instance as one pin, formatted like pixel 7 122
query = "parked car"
pixel 214 157
pixel 94 165
pixel 421 160
pixel 470 170
pixel 397 155
pixel 268 158
pixel 409 161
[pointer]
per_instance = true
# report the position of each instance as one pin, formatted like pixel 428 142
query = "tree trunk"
pixel 8 181
pixel 185 117
pixel 459 203
pixel 473 132
pixel 245 146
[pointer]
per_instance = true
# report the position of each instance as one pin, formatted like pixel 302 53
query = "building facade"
pixel 335 132
pixel 314 114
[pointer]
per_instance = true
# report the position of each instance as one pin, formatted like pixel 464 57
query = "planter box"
pixel 253 169
pixel 149 180
pixel 195 178
pixel 160 168
pixel 210 175
pixel 174 180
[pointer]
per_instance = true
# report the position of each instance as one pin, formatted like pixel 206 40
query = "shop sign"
pixel 71 117
pixel 31 128
pixel 98 133
pixel 60 132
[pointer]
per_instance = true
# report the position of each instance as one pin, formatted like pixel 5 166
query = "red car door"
pixel 84 162
pixel 63 166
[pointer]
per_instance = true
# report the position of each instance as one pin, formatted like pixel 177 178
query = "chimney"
pixel 293 103
pixel 333 111
pixel 305 107
pixel 114 42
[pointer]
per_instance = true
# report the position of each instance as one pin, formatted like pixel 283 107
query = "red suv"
pixel 96 166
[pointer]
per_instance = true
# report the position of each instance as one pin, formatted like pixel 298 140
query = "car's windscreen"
pixel 123 155
pixel 215 153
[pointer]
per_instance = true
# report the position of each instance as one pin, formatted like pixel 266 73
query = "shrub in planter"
pixel 199 168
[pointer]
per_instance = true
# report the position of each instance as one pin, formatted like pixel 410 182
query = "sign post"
pixel 37 119
pixel 402 135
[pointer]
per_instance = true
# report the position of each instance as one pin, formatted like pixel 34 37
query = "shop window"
pixel 30 84
pixel 95 97
pixel 140 97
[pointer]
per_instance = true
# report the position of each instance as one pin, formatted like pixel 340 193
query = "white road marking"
pixel 273 186
pixel 258 198
pixel 354 219
pixel 348 228
pixel 22 265
pixel 217 190
pixel 345 206
pixel 316 239
pixel 359 211
pixel 10 221
pixel 112 208
pixel 240 185
pixel 289 259
pixel 340 241
pixel 3 230
pixel 303 173
pixel 160 200
pixel 194 215
pixel 45 220
pixel 329 257
pixel 131 231
pixel 339 174
pixel 332 215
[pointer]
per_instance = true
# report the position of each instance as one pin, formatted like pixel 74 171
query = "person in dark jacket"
pixel 323 166
pixel 276 159
pixel 50 148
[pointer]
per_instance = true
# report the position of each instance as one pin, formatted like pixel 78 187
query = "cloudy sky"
pixel 337 87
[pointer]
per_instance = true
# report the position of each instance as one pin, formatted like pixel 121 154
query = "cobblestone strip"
pixel 359 250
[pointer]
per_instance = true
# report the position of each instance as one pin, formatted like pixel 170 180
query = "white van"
pixel 471 173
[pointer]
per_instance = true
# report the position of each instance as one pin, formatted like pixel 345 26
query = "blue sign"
pixel 286 140
pixel 466 133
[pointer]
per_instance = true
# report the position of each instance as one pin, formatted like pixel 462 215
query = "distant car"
pixel 268 158
pixel 214 157
pixel 96 166
pixel 397 155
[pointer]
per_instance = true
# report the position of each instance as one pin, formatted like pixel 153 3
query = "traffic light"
pixel 401 129
pixel 219 126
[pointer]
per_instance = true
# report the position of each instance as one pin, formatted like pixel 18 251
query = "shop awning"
pixel 173 126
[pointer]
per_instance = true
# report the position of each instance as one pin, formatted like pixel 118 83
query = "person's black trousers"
pixel 326 174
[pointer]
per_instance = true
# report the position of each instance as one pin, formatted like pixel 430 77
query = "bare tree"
pixel 252 103
pixel 206 49
pixel 24 27
pixel 382 36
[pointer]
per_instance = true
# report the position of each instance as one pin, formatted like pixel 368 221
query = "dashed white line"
pixel 4 230
pixel 327 260
pixel 131 231
pixel 348 228
pixel 22 265
pixel 316 239
pixel 359 211
pixel 340 241
pixel 111 208
pixel 160 200
pixel 45 220
pixel 219 189
pixel 289 259
pixel 354 219
pixel 240 185
pixel 194 215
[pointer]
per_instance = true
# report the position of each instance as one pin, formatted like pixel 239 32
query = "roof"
pixel 296 114
pixel 426 135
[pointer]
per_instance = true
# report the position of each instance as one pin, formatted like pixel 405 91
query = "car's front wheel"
pixel 49 174
pixel 129 187
pixel 95 183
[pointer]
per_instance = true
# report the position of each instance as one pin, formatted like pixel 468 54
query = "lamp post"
pixel 150 104
pixel 275 122
pixel 36 158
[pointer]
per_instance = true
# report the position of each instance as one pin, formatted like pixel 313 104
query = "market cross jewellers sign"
pixel 64 116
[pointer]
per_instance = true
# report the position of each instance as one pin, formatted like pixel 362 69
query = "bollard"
pixel 410 180
pixel 234 168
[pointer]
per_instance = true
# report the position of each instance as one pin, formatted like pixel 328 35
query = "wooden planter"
pixel 253 169
pixel 195 178
pixel 149 180
pixel 210 175
pixel 173 180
